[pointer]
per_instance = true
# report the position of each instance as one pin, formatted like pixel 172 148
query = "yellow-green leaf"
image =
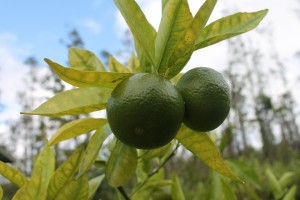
pixel 94 184
pixel 1 192
pixel 286 179
pixel 35 188
pixel 93 148
pixel 12 174
pixel 76 189
pixel 291 193
pixel 44 165
pixel 116 66
pixel 228 27
pixel 84 60
pixel 273 183
pixel 185 45
pixel 175 19
pixel 80 78
pixel 177 192
pixel 143 32
pixel 134 64
pixel 76 128
pixel 121 164
pixel 64 173
pixel 73 102
pixel 203 148
pixel 158 152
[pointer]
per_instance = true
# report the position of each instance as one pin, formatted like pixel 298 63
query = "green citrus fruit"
pixel 207 98
pixel 145 111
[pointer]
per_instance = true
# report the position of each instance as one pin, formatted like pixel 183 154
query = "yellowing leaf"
pixel 185 45
pixel 134 64
pixel 116 66
pixel 94 184
pixel 228 27
pixel 143 32
pixel 80 78
pixel 76 128
pixel 121 164
pixel 1 192
pixel 175 19
pixel 84 60
pixel 13 175
pixel 93 148
pixel 76 189
pixel 64 173
pixel 73 102
pixel 177 192
pixel 203 148
pixel 158 152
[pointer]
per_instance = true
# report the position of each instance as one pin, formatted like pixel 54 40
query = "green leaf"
pixel 143 32
pixel 13 175
pixel 185 45
pixel 158 152
pixel 227 190
pixel 76 128
pixel 134 64
pixel 121 164
pixel 203 148
pixel 116 66
pixel 44 165
pixel 94 185
pixel 76 189
pixel 64 173
pixel 84 60
pixel 286 179
pixel 100 163
pixel 1 193
pixel 177 192
pixel 93 148
pixel 80 78
pixel 273 183
pixel 228 27
pixel 73 102
pixel 175 19
pixel 35 188
pixel 291 194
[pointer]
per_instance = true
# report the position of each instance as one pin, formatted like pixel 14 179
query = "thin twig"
pixel 123 193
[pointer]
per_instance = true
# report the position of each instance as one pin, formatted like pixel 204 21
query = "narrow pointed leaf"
pixel 291 194
pixel 228 27
pixel 1 193
pixel 76 189
pixel 12 174
pixel 93 148
pixel 80 78
pixel 175 19
pixel 134 64
pixel 143 32
pixel 158 152
pixel 44 165
pixel 177 192
pixel 94 185
pixel 64 173
pixel 35 188
pixel 116 66
pixel 273 182
pixel 76 128
pixel 84 60
pixel 203 148
pixel 121 164
pixel 73 102
pixel 185 45
pixel 227 190
pixel 286 179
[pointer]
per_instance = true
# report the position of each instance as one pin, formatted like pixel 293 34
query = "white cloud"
pixel 92 25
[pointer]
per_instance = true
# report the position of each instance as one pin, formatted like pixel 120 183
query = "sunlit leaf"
pixel 116 66
pixel 286 179
pixel 177 192
pixel 73 102
pixel 143 32
pixel 134 64
pixel 93 148
pixel 84 60
pixel 80 78
pixel 76 128
pixel 12 174
pixel 35 188
pixel 76 189
pixel 228 27
pixel 44 165
pixel 1 192
pixel 121 165
pixel 94 185
pixel 175 19
pixel 158 152
pixel 291 194
pixel 273 182
pixel 203 148
pixel 64 173
pixel 185 45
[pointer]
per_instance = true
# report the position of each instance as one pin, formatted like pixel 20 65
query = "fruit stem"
pixel 123 193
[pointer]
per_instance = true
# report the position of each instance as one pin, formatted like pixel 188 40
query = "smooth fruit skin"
pixel 145 111
pixel 207 98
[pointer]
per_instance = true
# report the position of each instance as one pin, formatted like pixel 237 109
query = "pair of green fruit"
pixel 145 111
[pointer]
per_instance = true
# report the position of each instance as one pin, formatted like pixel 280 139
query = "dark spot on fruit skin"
pixel 138 131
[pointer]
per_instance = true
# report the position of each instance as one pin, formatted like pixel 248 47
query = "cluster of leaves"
pixel 164 52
